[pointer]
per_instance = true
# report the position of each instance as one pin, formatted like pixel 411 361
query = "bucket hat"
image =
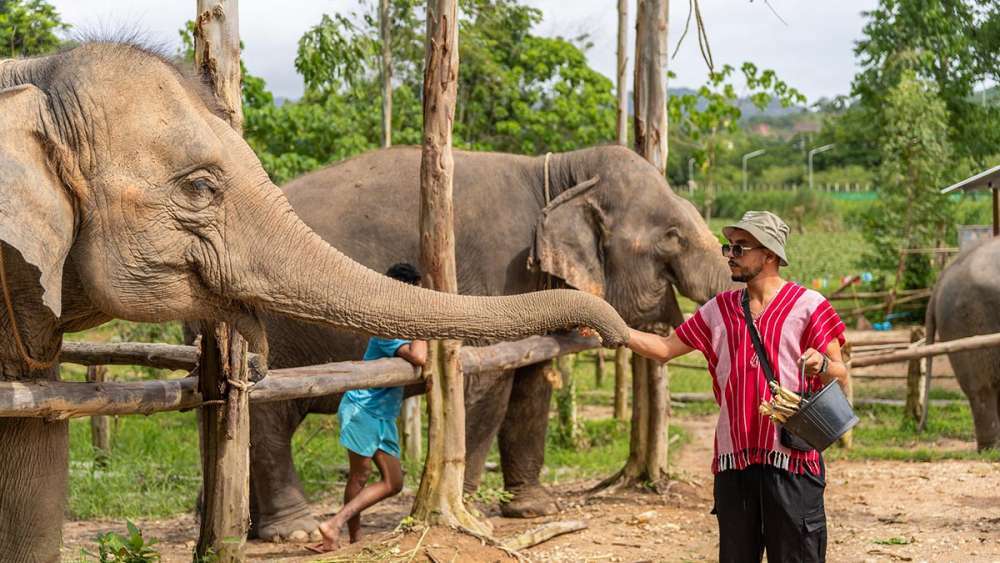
pixel 769 230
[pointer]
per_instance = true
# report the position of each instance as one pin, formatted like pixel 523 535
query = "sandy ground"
pixel 877 511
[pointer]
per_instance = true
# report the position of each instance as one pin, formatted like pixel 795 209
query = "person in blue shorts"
pixel 368 431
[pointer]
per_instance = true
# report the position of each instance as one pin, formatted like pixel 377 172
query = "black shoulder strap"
pixel 757 346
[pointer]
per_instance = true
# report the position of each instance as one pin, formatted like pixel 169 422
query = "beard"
pixel 745 275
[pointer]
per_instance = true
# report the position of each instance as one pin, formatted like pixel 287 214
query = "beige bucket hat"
pixel 769 230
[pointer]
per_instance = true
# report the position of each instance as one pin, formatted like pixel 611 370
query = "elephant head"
pixel 114 161
pixel 618 231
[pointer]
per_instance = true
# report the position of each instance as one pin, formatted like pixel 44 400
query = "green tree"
pixel 916 161
pixel 517 92
pixel 707 120
pixel 29 27
pixel 952 43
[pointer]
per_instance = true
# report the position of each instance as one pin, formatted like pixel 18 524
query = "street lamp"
pixel 817 150
pixel 747 157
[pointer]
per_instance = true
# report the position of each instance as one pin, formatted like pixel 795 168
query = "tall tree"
pixel 647 461
pixel 916 160
pixel 224 376
pixel 28 28
pixel 621 369
pixel 385 29
pixel 951 43
pixel 439 499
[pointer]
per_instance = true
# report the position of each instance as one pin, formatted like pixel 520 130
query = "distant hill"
pixel 749 110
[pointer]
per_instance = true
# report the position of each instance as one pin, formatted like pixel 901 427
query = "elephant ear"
pixel 569 239
pixel 36 214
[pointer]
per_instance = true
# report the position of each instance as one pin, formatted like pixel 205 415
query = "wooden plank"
pixel 961 344
pixel 67 399
pixel 165 356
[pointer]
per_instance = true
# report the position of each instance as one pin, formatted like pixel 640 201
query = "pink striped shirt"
pixel 796 319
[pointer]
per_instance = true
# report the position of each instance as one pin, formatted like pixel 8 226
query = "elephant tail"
pixel 930 327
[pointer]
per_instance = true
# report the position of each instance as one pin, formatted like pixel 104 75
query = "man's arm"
pixel 656 347
pixel 835 368
pixel 415 352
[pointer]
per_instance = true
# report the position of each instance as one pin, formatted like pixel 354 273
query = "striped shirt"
pixel 796 319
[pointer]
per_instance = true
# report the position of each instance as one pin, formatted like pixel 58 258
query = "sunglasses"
pixel 737 250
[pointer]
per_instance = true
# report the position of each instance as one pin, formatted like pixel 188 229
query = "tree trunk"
pixel 647 460
pixel 225 427
pixel 439 499
pixel 99 424
pixel 385 25
pixel 622 124
pixel 621 382
pixel 566 401
pixel 650 95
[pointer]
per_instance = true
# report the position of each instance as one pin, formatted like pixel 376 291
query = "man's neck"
pixel 764 287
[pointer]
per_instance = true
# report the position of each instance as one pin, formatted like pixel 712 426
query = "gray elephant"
pixel 124 195
pixel 965 303
pixel 607 223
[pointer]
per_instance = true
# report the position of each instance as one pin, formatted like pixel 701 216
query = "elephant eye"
pixel 200 191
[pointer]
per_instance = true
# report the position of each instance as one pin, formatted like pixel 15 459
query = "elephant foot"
pixel 530 502
pixel 302 529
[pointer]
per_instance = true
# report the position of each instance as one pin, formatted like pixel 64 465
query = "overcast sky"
pixel 813 52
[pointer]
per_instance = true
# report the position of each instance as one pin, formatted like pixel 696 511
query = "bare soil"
pixel 877 511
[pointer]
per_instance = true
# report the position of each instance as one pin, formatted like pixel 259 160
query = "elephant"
pixel 609 225
pixel 125 193
pixel 964 303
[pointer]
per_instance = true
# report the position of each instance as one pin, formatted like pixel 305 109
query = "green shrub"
pixel 115 548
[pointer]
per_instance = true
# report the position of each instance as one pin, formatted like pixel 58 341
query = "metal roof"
pixel 981 181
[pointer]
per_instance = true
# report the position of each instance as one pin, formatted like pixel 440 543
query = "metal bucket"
pixel 823 417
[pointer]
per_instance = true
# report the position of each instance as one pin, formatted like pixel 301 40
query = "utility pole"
pixel 816 151
pixel 747 157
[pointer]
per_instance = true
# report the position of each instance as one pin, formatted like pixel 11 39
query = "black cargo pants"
pixel 763 507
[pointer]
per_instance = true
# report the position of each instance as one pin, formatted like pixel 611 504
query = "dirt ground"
pixel 877 511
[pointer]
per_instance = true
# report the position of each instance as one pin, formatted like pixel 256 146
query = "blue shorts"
pixel 363 433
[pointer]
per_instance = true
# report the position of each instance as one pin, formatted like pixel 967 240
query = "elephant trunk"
pixel 308 279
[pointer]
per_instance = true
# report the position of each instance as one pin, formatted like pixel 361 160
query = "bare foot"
pixel 331 538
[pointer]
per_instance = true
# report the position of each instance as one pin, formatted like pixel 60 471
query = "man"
pixel 368 431
pixel 767 496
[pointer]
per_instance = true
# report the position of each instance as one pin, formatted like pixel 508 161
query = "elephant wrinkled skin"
pixel 123 194
pixel 611 226
pixel 965 302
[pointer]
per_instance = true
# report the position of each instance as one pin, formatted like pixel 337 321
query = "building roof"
pixel 984 180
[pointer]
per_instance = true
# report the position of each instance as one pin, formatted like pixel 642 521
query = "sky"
pixel 810 47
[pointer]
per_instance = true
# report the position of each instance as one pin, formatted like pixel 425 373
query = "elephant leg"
pixel 522 445
pixel 34 468
pixel 278 507
pixel 486 396
pixel 985 417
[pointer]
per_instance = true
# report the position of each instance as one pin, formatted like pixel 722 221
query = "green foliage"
pixel 916 160
pixel 945 42
pixel 518 92
pixel 706 120
pixel 28 28
pixel 115 548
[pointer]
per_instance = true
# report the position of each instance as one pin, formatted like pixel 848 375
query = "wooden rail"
pixel 64 399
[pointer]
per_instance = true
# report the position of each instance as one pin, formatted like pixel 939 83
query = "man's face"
pixel 746 267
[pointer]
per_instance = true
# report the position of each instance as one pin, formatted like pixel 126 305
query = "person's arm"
pixel 835 366
pixel 656 347
pixel 415 352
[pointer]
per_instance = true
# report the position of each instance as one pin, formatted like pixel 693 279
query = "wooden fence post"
pixel 916 384
pixel 99 435
pixel 621 383
pixel 223 373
